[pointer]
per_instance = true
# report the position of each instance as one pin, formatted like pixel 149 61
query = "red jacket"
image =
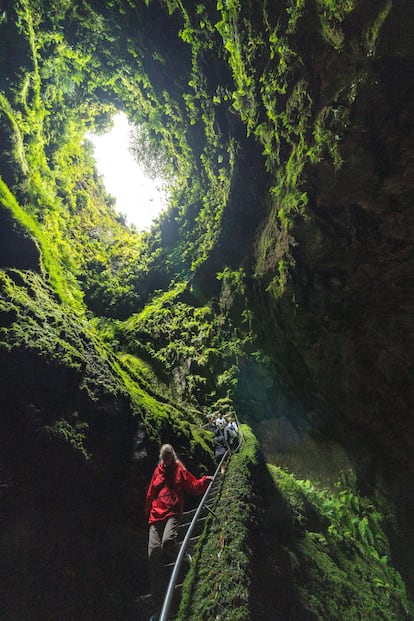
pixel 166 491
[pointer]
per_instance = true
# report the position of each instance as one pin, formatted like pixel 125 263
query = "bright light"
pixel 141 199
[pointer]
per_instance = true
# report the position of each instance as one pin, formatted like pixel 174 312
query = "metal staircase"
pixel 190 531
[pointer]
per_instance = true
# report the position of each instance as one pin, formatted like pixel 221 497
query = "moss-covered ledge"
pixel 286 549
pixel 333 553
pixel 217 586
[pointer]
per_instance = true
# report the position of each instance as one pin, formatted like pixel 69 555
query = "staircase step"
pixel 147 598
pixel 191 540
pixel 186 524
pixel 144 599
pixel 189 512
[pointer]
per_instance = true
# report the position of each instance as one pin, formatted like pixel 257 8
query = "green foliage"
pixel 277 108
pixel 234 288
pixel 74 432
pixel 346 550
pixel 332 14
pixel 53 331
pixel 192 344
pixel 171 333
pixel 275 100
pixel 52 167
pixel 234 278
pixel 278 283
pixel 73 82
pixel 51 262
pixel 375 29
pixel 84 244
pixel 35 322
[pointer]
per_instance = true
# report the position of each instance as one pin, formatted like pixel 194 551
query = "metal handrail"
pixel 181 554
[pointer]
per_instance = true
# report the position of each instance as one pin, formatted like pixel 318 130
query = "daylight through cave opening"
pixel 140 192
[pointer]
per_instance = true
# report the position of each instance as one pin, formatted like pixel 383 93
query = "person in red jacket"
pixel 164 509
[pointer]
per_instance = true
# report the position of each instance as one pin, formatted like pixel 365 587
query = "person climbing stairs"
pixel 189 532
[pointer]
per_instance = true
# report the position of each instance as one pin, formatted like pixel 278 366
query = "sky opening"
pixel 138 197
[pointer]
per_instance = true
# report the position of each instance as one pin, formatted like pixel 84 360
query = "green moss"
pixel 217 585
pixel 52 331
pixel 374 30
pixel 51 265
pixel 173 335
pixel 37 323
pixel 73 432
pixel 343 553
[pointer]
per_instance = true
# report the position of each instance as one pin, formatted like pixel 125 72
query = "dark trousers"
pixel 162 549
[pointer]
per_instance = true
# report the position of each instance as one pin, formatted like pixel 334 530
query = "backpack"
pixel 232 438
